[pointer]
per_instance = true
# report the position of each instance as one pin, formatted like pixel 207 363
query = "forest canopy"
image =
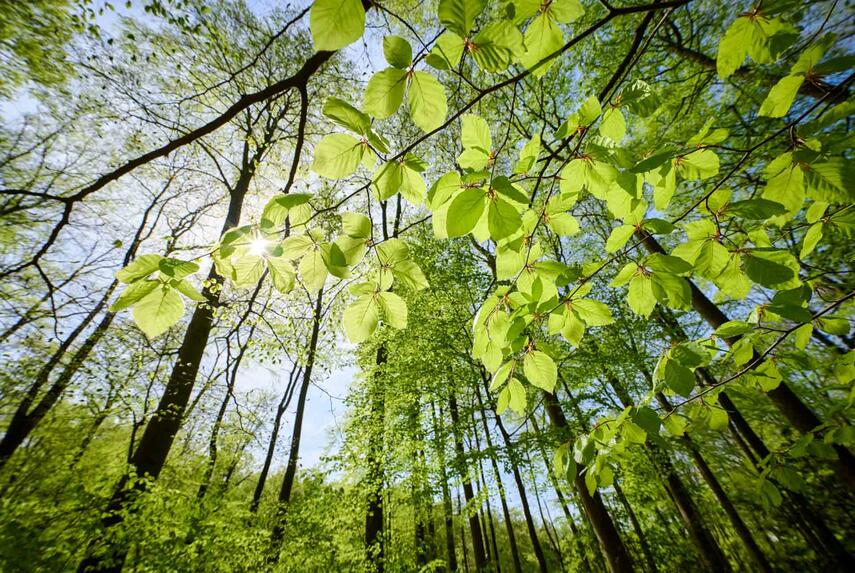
pixel 457 285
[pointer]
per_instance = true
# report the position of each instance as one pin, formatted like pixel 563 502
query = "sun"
pixel 258 247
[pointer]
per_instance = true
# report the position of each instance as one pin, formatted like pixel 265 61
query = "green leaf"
pixel 679 378
pixel 410 275
pixel 277 208
pixel 770 268
pixel 781 96
pixel 139 268
pixel 618 238
pixel 347 116
pixel 388 179
pixel 184 287
pixel 733 47
pixel 446 52
pixel 356 225
pixel 811 240
pixel 336 23
pixel 613 125
pixel 397 51
pixel 313 271
pixel 502 219
pixel 133 293
pixel 394 310
pixel 540 370
pixel 296 246
pixel 590 111
pixel 360 318
pixel 501 375
pixel 503 401
pixel 494 47
pixel 640 297
pixel 757 209
pixel 459 15
pixel 701 164
pixel 566 11
pixel 158 310
pixel 426 98
pixel 475 133
pixel 528 155
pixel 465 211
pixel 177 269
pixel 337 156
pixel 593 312
pixel 517 396
pixel 542 38
pixel 282 274
pixel 733 328
pixel 385 92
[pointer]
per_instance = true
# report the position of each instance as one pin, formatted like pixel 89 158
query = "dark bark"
pixel 480 555
pixel 294 454
pixel 150 455
pixel 26 416
pixel 636 526
pixel 515 471
pixel 494 548
pixel 702 537
pixel 274 435
pixel 374 541
pixel 613 547
pixel 506 513
pixel 439 444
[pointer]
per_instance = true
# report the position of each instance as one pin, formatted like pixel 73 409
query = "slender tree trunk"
pixel 756 451
pixel 509 525
pixel 529 520
pixel 294 454
pixel 447 509
pixel 613 547
pixel 474 525
pixel 296 370
pixel 374 465
pixel 483 481
pixel 707 546
pixel 562 501
pixel 633 519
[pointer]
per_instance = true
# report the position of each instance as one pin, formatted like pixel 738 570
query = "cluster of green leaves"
pixel 157 302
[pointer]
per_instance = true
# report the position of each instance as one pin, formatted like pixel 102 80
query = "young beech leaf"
pixel 385 92
pixel 336 23
pixel 394 310
pixel 360 318
pixel 158 310
pixel 426 98
pixel 517 396
pixel 139 268
pixel 540 370
pixel 465 211
pixel 397 51
pixel 133 292
pixel 337 156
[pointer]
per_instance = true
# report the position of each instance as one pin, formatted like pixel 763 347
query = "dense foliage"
pixel 574 277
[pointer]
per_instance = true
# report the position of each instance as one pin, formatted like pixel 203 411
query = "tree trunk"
pixel 294 454
pixel 509 525
pixel 613 547
pixel 447 509
pixel 474 525
pixel 374 465
pixel 274 435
